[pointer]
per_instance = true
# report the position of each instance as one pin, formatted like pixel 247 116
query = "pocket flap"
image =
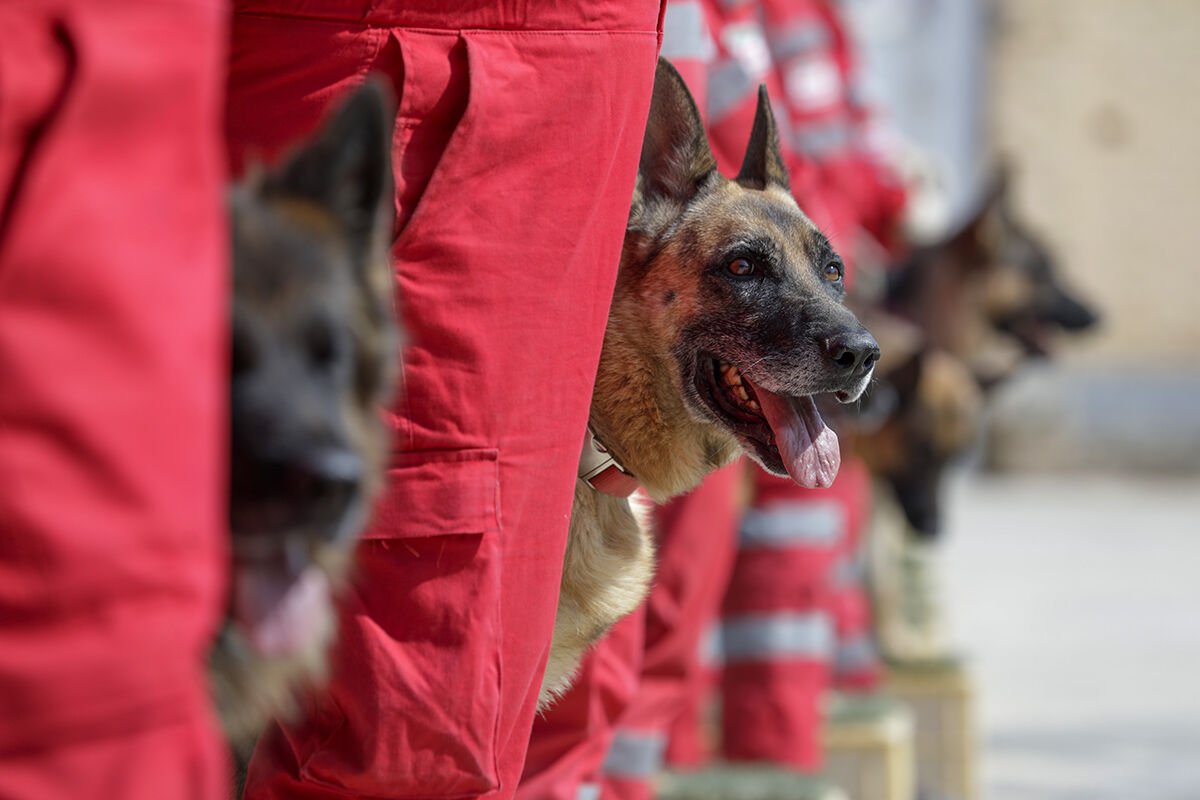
pixel 435 493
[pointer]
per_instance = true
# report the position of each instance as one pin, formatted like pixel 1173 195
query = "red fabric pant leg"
pixel 696 536
pixel 180 761
pixel 112 392
pixel 777 632
pixel 505 268
pixel 571 739
pixel 856 664
pixel 689 745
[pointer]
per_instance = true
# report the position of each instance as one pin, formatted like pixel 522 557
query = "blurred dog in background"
pixel 989 294
pixel 960 317
pixel 314 349
pixel 924 412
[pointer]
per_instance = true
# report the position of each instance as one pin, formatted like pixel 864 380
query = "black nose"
pixel 854 352
pixel 1072 315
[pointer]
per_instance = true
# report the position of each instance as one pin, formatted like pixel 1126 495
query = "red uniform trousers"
pixel 112 393
pixel 696 547
pixel 856 664
pixel 780 625
pixel 607 736
pixel 571 739
pixel 516 143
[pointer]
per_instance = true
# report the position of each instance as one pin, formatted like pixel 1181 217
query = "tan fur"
pixel 606 570
pixel 954 400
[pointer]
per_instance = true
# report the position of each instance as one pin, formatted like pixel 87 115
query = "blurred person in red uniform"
pixel 724 53
pixel 516 142
pixel 113 254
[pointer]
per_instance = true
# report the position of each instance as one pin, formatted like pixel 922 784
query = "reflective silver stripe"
pixel 685 33
pixel 785 525
pixel 588 791
pixel 796 40
pixel 855 653
pixel 756 637
pixel 635 754
pixel 728 84
pixel 846 571
pixel 823 139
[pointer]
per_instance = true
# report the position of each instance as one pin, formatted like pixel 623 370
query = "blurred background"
pixel 1072 537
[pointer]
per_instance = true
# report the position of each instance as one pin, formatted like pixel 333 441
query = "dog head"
pixel 989 286
pixel 314 341
pixel 729 305
pixel 1025 295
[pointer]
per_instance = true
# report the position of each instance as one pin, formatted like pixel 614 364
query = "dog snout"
pixel 326 481
pixel 1070 314
pixel 852 352
pixel 311 489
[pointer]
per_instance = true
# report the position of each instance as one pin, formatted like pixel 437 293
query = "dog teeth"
pixel 740 391
pixel 753 405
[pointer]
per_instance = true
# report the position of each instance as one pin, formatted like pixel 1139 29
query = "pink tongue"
pixel 809 449
pixel 280 616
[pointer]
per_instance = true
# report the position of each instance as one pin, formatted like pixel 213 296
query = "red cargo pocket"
pixel 439 492
pixel 416 695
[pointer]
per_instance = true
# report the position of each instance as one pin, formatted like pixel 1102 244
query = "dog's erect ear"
pixel 974 243
pixel 763 163
pixel 675 156
pixel 347 167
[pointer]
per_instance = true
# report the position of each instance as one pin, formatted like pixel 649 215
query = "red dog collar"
pixel 601 470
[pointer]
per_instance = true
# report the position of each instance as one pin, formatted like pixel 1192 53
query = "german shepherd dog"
pixel 726 320
pixel 314 344
pixel 990 283
pixel 980 303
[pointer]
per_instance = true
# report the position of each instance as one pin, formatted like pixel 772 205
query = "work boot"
pixel 906 591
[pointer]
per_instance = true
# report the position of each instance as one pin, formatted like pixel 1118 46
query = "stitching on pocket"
pixel 437 493
pixel 450 151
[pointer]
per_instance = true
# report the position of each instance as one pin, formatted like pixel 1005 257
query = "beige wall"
pixel 1098 103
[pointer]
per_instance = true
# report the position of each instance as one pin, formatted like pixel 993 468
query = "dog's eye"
pixel 742 267
pixel 833 272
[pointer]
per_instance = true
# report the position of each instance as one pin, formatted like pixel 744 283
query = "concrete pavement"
pixel 1078 599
